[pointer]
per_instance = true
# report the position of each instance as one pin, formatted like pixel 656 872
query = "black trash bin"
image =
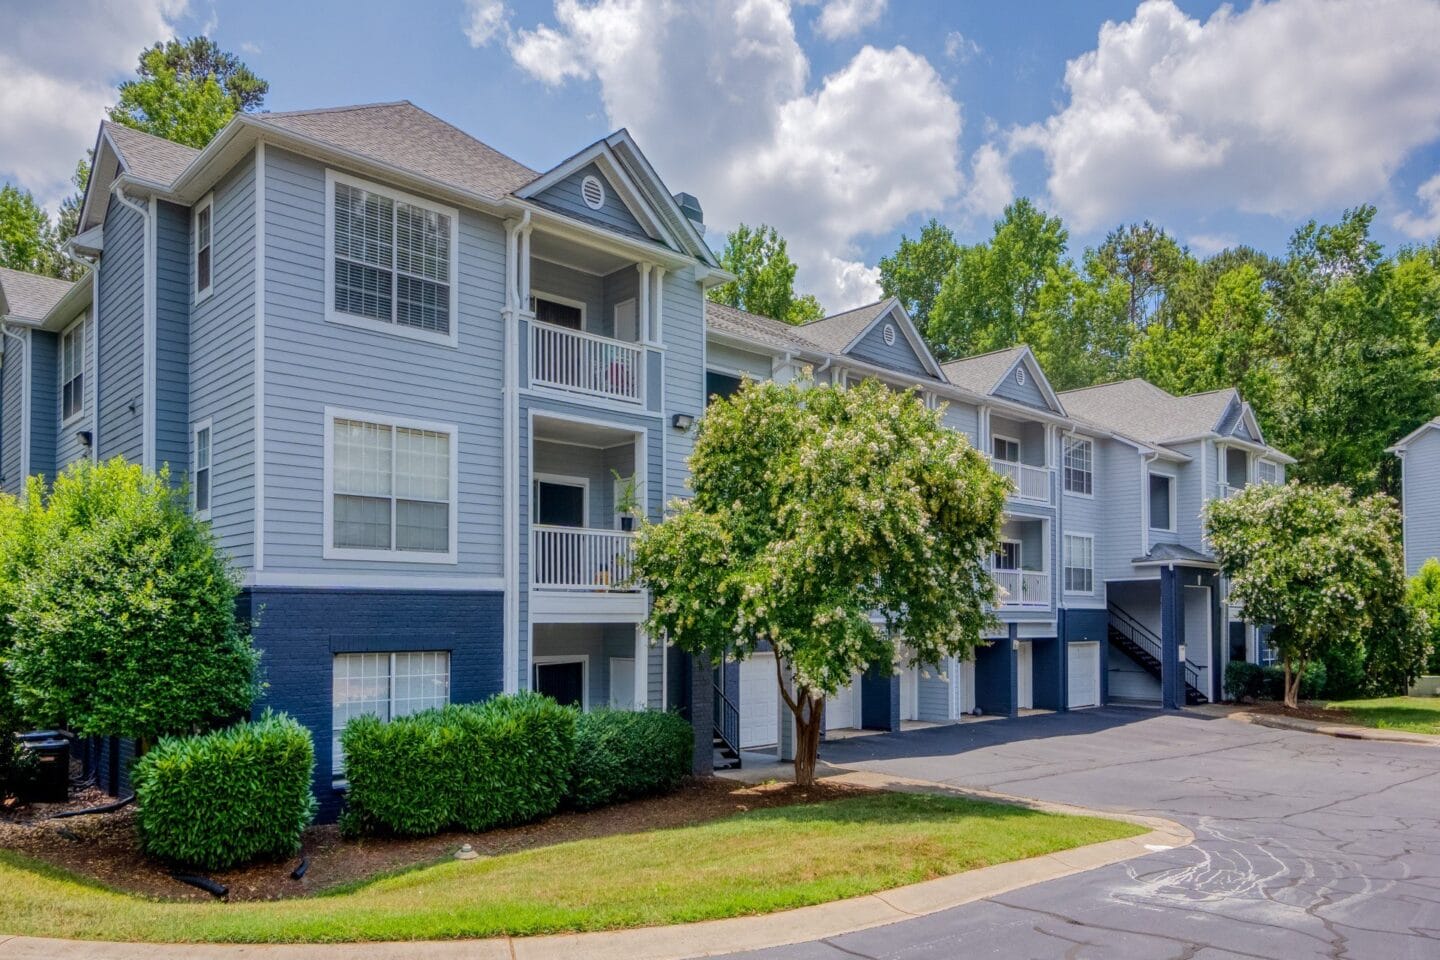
pixel 51 782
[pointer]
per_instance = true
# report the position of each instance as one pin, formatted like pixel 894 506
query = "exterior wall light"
pixel 682 421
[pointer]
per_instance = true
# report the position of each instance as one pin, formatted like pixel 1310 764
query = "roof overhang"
pixel 603 156
pixel 895 309
pixel 1399 447
pixel 1195 563
pixel 1259 448
pixel 1027 357
pixel 741 342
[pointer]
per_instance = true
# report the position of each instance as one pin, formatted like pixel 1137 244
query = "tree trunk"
pixel 1292 684
pixel 807 737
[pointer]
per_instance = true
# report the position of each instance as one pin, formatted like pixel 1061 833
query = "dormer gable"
pixel 880 334
pixel 1012 374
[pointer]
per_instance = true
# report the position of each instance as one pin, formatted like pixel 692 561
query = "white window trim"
pixel 1064 442
pixel 333 315
pixel 1019 448
pixel 1019 554
pixel 206 204
pixel 335 761
pixel 1065 564
pixel 561 480
pixel 1174 501
pixel 79 325
pixel 581 658
pixel 332 552
pixel 195 429
pixel 564 302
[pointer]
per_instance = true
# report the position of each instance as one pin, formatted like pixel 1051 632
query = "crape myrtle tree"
pixel 815 508
pixel 1320 566
pixel 122 617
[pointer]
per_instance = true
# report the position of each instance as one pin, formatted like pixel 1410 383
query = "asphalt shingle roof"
pixel 752 326
pixel 402 135
pixel 28 296
pixel 149 157
pixel 1139 409
pixel 980 373
pixel 1174 553
pixel 834 333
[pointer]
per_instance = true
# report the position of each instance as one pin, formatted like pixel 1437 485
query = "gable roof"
pixel 1144 411
pixel 754 328
pixel 1400 446
pixel 840 332
pixel 980 373
pixel 29 297
pixel 401 134
pixel 147 156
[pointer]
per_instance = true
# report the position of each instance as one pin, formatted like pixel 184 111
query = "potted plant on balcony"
pixel 627 500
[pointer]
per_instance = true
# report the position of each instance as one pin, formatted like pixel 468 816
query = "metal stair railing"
pixel 1145 638
pixel 726 717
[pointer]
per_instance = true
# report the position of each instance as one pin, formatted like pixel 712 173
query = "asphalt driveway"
pixel 1306 846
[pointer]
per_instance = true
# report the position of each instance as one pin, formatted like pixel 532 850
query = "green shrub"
pixel 623 754
pixel 471 766
pixel 1312 683
pixel 225 798
pixel 1244 680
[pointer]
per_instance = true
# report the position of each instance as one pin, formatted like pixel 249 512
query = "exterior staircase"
pixel 1142 645
pixel 726 742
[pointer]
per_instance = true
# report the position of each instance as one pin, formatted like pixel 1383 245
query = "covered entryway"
pixel 842 711
pixel 1025 681
pixel 1083 680
pixel 909 693
pixel 759 702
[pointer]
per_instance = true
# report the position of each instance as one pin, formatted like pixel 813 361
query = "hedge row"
pixel 1250 681
pixel 224 798
pixel 511 759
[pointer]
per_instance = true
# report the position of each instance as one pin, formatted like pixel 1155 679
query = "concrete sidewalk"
pixel 705 939
pixel 1345 731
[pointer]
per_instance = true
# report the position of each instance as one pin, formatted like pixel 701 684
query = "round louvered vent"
pixel 593 191
pixel 889 334
pixel 1020 375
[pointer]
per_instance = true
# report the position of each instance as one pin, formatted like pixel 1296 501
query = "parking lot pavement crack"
pixel 1189 947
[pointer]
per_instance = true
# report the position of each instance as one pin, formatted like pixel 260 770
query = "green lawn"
pixel 1411 714
pixel 754 862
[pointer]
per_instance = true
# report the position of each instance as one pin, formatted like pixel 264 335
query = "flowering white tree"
pixel 1320 566
pixel 814 509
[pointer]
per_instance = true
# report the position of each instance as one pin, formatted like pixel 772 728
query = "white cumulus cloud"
pixel 847 18
pixel 737 121
pixel 1424 225
pixel 1277 109
pixel 484 20
pixel 59 64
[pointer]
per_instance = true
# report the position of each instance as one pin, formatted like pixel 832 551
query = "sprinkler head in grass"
pixel 466 852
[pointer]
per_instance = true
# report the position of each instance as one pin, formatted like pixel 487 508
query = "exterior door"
pixel 1025 667
pixel 759 702
pixel 1083 682
pixel 563 682
pixel 622 683
pixel 840 710
pixel 909 693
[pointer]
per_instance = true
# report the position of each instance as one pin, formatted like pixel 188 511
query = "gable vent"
pixel 1020 375
pixel 889 334
pixel 593 192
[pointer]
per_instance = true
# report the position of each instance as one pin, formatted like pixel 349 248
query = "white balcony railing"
pixel 586 363
pixel 1031 483
pixel 1223 491
pixel 1024 588
pixel 579 559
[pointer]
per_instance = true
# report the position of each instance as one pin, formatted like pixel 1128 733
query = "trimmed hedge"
pixel 1244 680
pixel 225 798
pixel 622 754
pixel 1250 681
pixel 470 766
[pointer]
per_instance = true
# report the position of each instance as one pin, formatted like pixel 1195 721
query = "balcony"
pixel 586 363
pixel 1224 491
pixel 1025 589
pixel 1030 483
pixel 582 560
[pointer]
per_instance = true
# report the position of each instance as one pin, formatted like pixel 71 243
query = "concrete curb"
pixel 704 939
pixel 1343 731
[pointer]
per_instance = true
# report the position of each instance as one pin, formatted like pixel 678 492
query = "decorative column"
pixel 1172 638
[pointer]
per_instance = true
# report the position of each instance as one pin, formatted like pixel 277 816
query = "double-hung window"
pixel 1079 563
pixel 1267 471
pixel 392 261
pixel 1162 502
pixel 72 372
pixel 1079 466
pixel 387 685
pixel 390 489
pixel 202 470
pixel 204 229
pixel 1005 449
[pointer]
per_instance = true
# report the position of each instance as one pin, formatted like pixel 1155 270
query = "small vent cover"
pixel 1020 375
pixel 593 192
pixel 889 334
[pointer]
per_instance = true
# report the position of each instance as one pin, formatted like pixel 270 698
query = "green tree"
pixel 765 277
pixel 917 268
pixel 990 297
pixel 187 91
pixel 197 58
pixel 1423 595
pixel 27 239
pixel 1320 566
pixel 814 509
pixel 68 223
pixel 1148 263
pixel 124 614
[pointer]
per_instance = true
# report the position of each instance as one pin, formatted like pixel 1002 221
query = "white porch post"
pixel 642 668
pixel 657 306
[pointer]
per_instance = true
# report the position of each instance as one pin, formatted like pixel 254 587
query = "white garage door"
pixel 841 710
pixel 1084 685
pixel 759 701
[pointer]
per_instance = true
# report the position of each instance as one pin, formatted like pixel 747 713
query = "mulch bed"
pixel 1307 710
pixel 103 847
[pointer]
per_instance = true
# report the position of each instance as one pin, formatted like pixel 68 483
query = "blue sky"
pixel 842 122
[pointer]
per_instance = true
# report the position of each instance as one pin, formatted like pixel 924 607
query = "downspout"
pixel 147 421
pixel 516 243
pixel 6 330
pixel 1145 460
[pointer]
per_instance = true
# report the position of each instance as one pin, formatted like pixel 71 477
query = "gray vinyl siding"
pixel 1190 492
pixel 1084 515
pixel 598 642
pixel 964 417
pixel 311 364
pixel 172 338
pixel 1422 500
pixel 45 422
pixel 68 447
pixel 1028 393
pixel 899 356
pixel 720 356
pixel 1030 433
pixel 561 281
pixel 684 336
pixel 594 465
pixel 122 335
pixel 1117 494
pixel 619 286
pixel 564 197
pixel 12 378
pixel 221 384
